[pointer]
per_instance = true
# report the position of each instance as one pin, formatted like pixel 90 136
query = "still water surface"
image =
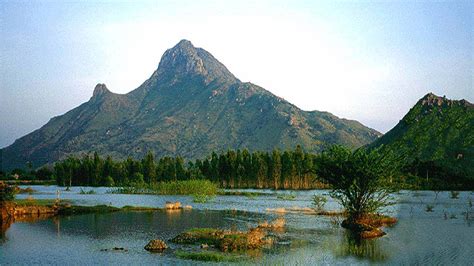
pixel 443 236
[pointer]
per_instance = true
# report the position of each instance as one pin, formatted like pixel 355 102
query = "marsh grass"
pixel 429 208
pixel 181 187
pixel 208 256
pixel 87 192
pixel 318 202
pixel 287 197
pixel 454 194
pixel 35 202
pixel 241 193
pixel 202 198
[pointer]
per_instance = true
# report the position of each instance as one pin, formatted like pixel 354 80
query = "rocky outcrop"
pixel 156 245
pixel 173 205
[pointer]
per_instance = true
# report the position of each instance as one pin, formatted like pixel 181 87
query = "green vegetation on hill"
pixel 190 106
pixel 436 140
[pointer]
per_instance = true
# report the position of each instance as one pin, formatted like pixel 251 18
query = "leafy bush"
pixel 7 192
pixel 319 202
pixel 109 181
pixel 360 179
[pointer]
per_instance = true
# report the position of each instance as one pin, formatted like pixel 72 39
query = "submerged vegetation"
pixel 202 198
pixel 208 256
pixel 286 197
pixel 226 240
pixel 319 202
pixel 87 192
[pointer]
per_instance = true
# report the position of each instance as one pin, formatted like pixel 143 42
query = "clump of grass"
pixel 181 187
pixel 336 220
pixel 225 240
pixel 35 202
pixel 27 190
pixel 429 208
pixel 208 256
pixel 202 198
pixel 319 202
pixel 251 195
pixel 454 194
pixel 186 187
pixel 87 209
pixel 286 197
pixel 139 208
pixel 241 193
pixel 87 192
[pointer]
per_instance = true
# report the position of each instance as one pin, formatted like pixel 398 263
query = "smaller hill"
pixel 436 141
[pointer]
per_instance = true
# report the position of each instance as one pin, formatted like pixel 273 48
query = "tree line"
pixel 291 169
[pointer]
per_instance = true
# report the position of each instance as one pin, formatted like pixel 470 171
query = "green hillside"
pixel 436 141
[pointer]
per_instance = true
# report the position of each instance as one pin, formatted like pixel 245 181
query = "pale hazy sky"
pixel 364 60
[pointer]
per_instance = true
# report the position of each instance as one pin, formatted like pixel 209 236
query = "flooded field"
pixel 433 228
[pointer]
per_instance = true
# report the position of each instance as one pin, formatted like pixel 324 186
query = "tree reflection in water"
pixel 352 245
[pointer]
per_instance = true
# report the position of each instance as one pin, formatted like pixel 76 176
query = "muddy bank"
pixel 9 210
pixel 369 226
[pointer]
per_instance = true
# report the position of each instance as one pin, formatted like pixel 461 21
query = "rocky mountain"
pixel 190 106
pixel 436 139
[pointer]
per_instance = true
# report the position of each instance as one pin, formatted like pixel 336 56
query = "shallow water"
pixel 443 236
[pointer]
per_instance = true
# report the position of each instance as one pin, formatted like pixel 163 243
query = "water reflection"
pixel 350 244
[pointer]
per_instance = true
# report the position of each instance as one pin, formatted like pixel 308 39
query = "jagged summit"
pixel 184 43
pixel 432 100
pixel 99 90
pixel 185 60
pixel 182 59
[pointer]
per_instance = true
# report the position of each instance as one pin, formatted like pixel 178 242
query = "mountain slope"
pixel 191 105
pixel 436 138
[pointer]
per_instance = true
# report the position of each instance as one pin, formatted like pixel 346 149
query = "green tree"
pixel 276 168
pixel 360 179
pixel 149 167
pixel 108 181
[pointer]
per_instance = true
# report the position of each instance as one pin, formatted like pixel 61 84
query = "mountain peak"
pixel 432 100
pixel 182 59
pixel 185 61
pixel 99 90
pixel 185 44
